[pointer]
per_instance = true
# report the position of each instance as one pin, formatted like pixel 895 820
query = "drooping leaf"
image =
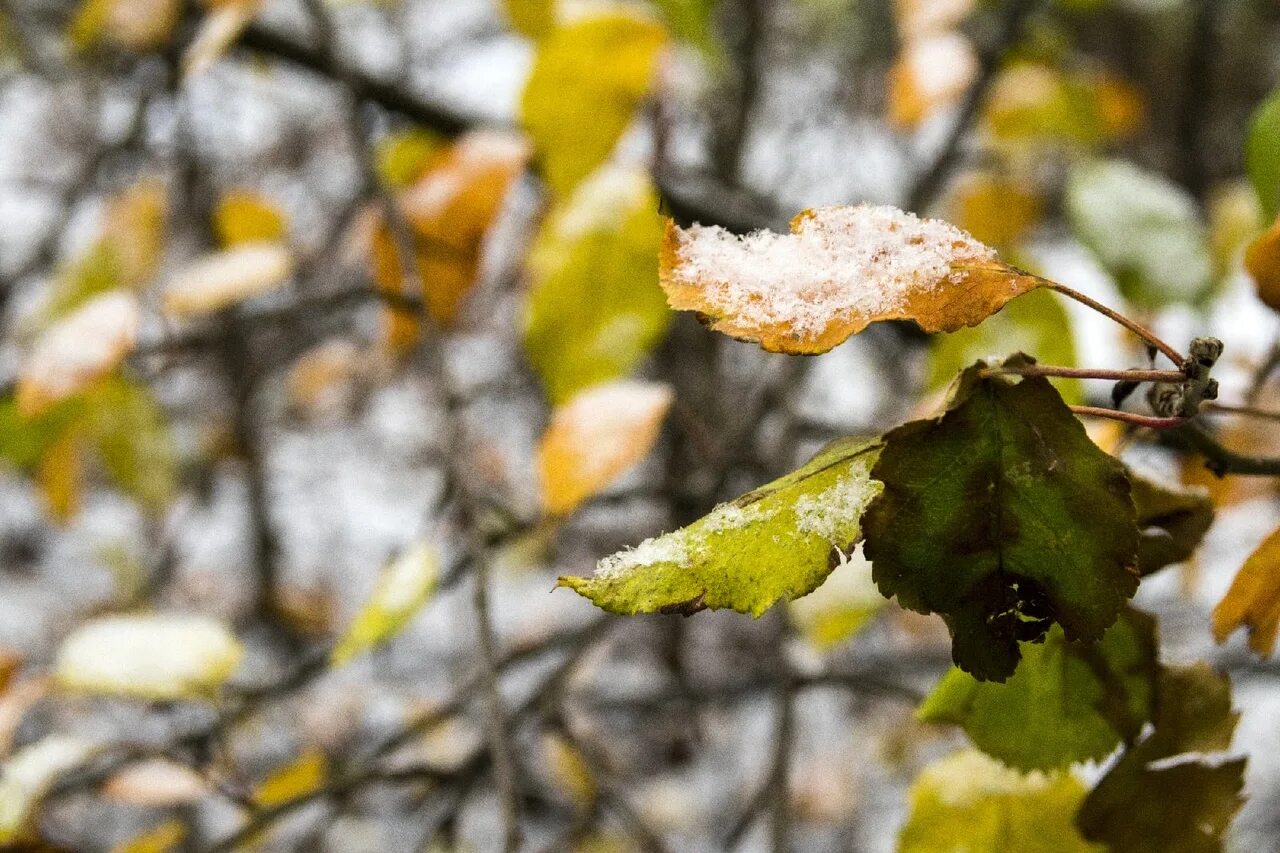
pixel 1262 154
pixel 779 541
pixel 1036 323
pixel 1004 518
pixel 1253 600
pixel 931 72
pixel 157 656
pixel 588 79
pixel 1262 260
pixel 226 278
pixel 839 270
pixel 28 774
pixel 595 308
pixel 1172 523
pixel 842 606
pixel 1144 229
pixel 1066 702
pixel 1155 799
pixel 404 586
pixel 295 779
pixel 596 437
pixel 77 351
pixel 244 216
pixel 968 802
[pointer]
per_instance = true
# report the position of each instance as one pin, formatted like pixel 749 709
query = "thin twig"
pixel 1132 325
pixel 1148 421
pixel 1213 408
pixel 504 771
pixel 1088 373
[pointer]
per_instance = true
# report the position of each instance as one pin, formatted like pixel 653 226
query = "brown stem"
pixel 1087 373
pixel 1129 417
pixel 1133 326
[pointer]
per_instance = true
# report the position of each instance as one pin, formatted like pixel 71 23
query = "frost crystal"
pixel 840 262
pixel 672 548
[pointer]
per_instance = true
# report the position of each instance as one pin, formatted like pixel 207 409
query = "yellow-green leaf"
pixel 244 216
pixel 845 603
pixel 531 18
pixel 404 586
pixel 28 774
pixel 296 779
pixel 1253 601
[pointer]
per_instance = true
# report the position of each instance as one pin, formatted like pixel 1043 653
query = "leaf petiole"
pixel 1147 421
pixel 1088 373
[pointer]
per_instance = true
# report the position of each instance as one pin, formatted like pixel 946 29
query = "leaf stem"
pixel 1132 325
pixel 1129 417
pixel 1088 373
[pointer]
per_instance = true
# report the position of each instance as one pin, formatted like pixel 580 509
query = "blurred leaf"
pixel 1253 600
pixel 243 216
pixel 156 656
pixel 569 771
pixel 1262 154
pixel 1004 518
pixel 23 440
pixel 1035 323
pixel 165 837
pixel 1032 104
pixel 1065 703
pixel 839 270
pixel 843 605
pixel 690 21
pixel 931 72
pixel 135 25
pixel 996 210
pixel 402 157
pixel 403 587
pixel 968 802
pixel 77 351
pixel 779 541
pixel 1149 804
pixel 596 437
pixel 218 30
pixel 595 308
pixel 533 19
pixel 1235 218
pixel 60 474
pixel 588 79
pixel 922 17
pixel 226 278
pixel 1172 523
pixel 300 777
pixel 156 783
pixel 1262 260
pixel 132 437
pixel 1144 229
pixel 27 776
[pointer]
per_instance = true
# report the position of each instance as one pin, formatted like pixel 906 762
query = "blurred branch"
pixel 1218 459
pixel 1197 89
pixel 933 178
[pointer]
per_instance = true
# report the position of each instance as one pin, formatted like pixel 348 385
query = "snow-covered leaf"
pixel 227 278
pixel 29 773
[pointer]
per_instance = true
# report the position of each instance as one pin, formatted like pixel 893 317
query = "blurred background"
pixel 298 296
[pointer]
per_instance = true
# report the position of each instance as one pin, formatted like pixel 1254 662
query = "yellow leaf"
pixel 227 278
pixel 1262 260
pixel 403 157
pixel 133 224
pixel 569 770
pixel 156 783
pixel 243 216
pixel 77 351
pixel 219 29
pixel 1253 601
pixel 27 776
pixel 930 72
pixel 840 269
pixel 596 437
pixel 404 586
pixel 156 656
pixel 296 779
pixel 995 210
pixel 162 838
pixel 588 79
pixel 531 18
pixel 61 475
pixel 136 25
pixel 1235 218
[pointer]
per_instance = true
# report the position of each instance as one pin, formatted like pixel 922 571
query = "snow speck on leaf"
pixel 777 542
pixel 596 437
pixel 839 270
pixel 157 656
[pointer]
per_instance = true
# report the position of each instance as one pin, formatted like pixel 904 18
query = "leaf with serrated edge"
pixel 839 270
pixel 779 541
pixel 1004 518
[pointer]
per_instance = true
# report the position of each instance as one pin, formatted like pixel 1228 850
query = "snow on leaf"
pixel 29 773
pixel 77 351
pixel 779 541
pixel 226 278
pixel 157 656
pixel 596 437
pixel 839 270
pixel 403 587
pixel 1253 600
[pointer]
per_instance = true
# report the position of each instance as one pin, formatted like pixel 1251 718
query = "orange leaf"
pixel 1253 601
pixel 1262 260
pixel 839 270
pixel 930 72
pixel 61 476
pixel 595 437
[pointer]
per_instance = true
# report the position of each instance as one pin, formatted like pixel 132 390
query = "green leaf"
pixel 23 440
pixel 1148 803
pixel 1172 523
pixel 1002 516
pixel 1144 229
pixel 1035 322
pixel 1066 703
pixel 690 21
pixel 1262 154
pixel 967 803
pixel 588 79
pixel 779 541
pixel 133 441
pixel 404 586
pixel 595 307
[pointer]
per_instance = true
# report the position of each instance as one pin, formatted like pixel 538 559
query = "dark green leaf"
pixel 1172 523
